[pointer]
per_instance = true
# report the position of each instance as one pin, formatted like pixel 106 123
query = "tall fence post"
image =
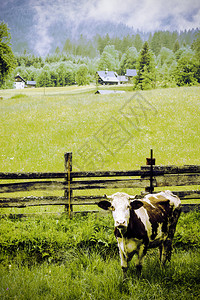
pixel 150 162
pixel 68 191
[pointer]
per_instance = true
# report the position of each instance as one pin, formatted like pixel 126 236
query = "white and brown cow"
pixel 142 224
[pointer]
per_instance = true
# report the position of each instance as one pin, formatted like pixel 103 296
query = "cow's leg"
pixel 161 251
pixel 123 257
pixel 141 253
pixel 165 251
pixel 166 247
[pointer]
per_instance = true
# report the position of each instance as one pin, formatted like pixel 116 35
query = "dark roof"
pixel 19 77
pixel 131 72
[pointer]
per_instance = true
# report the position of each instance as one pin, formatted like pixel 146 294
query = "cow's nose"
pixel 120 223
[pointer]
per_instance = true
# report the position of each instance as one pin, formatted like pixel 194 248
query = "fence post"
pixel 68 191
pixel 150 162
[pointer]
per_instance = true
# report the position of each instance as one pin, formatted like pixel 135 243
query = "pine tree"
pixel 138 42
pixel 156 43
pixel 176 46
pixel 146 69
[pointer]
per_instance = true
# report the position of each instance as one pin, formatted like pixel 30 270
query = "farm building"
pixel 123 79
pixel 107 77
pixel 130 73
pixel 19 82
pixel 30 84
pixel 106 92
pixel 111 77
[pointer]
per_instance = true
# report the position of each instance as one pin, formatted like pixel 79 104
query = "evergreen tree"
pixel 129 60
pixel 7 59
pixel 146 69
pixel 156 43
pixel 138 42
pixel 196 46
pixel 68 46
pixel 176 46
pixel 82 75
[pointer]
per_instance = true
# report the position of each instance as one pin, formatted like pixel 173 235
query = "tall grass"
pixel 36 130
pixel 90 277
pixel 49 258
pixel 57 258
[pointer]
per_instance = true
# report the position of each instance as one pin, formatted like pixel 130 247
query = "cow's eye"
pixel 128 206
pixel 112 207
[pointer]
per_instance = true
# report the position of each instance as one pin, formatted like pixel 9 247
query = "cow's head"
pixel 120 205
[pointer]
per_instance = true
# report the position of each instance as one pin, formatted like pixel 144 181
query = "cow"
pixel 141 224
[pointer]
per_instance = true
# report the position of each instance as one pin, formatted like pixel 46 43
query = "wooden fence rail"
pixel 147 178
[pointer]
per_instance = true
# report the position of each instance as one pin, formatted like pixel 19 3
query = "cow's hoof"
pixel 138 270
pixel 124 270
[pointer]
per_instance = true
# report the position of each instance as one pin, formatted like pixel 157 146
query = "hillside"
pixel 40 27
pixel 25 28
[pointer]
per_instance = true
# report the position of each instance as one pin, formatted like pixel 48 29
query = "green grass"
pixel 87 276
pixel 51 258
pixel 36 129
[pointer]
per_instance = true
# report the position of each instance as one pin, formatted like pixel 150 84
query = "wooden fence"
pixel 147 178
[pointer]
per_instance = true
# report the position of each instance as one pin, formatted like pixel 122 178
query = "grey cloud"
pixel 145 15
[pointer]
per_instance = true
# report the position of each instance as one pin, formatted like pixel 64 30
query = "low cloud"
pixel 145 15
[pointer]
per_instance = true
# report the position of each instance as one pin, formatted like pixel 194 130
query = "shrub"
pixel 49 238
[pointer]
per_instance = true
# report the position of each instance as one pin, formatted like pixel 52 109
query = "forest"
pixel 164 59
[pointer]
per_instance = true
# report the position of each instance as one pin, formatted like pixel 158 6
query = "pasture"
pixel 37 129
pixel 46 257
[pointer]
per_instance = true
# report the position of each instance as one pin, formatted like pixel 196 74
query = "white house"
pixel 19 82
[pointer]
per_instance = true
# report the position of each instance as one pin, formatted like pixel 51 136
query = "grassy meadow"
pixel 51 257
pixel 36 130
pixel 60 258
pixel 104 132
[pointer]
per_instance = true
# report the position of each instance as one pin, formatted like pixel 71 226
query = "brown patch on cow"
pixel 158 199
pixel 158 215
pixel 152 198
pixel 136 229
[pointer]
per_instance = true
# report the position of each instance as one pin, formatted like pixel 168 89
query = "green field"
pixel 60 258
pixel 51 257
pixel 36 129
pixel 104 132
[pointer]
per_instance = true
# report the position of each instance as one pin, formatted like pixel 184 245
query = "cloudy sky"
pixel 145 15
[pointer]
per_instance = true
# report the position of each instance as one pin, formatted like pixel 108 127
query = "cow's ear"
pixel 135 204
pixel 104 204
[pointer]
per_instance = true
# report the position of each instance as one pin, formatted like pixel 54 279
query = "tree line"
pixel 165 59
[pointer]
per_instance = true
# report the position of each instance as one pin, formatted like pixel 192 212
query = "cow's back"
pixel 156 216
